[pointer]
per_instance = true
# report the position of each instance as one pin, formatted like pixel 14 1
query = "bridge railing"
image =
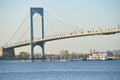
pixel 67 34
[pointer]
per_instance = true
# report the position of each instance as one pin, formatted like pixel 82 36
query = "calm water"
pixel 74 70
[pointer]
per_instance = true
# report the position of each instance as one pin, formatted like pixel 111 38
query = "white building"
pixel 98 56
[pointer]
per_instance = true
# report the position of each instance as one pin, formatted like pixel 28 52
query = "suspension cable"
pixel 23 34
pixel 26 30
pixel 17 30
pixel 58 20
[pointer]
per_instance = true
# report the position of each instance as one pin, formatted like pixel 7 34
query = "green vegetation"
pixel 64 55
pixel 23 55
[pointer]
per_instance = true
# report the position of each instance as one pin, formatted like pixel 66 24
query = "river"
pixel 69 70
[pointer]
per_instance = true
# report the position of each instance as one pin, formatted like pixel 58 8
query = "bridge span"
pixel 9 52
pixel 65 36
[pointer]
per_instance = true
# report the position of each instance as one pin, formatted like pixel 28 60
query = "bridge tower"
pixel 40 12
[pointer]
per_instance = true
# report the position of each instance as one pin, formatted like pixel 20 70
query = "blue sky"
pixel 83 13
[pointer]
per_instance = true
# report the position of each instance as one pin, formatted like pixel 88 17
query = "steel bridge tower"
pixel 41 13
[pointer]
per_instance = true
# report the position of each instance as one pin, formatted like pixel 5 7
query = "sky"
pixel 87 14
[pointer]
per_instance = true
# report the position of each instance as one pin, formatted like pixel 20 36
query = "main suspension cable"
pixel 17 30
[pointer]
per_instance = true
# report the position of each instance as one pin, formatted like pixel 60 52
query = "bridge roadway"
pixel 71 35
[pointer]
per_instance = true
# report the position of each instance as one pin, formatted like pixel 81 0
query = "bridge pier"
pixel 7 53
pixel 1 52
pixel 32 51
pixel 43 50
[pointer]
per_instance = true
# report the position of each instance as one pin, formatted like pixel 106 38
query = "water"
pixel 71 70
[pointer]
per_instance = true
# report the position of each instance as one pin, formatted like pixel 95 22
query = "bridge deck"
pixel 72 35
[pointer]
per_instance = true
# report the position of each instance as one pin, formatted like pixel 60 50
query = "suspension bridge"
pixel 52 29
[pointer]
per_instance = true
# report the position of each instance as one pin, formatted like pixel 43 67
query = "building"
pixel 98 56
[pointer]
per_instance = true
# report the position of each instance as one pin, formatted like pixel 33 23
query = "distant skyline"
pixel 86 14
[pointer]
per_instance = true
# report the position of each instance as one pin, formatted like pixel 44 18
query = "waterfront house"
pixel 98 56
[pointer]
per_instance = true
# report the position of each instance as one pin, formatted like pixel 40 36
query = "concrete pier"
pixel 7 53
